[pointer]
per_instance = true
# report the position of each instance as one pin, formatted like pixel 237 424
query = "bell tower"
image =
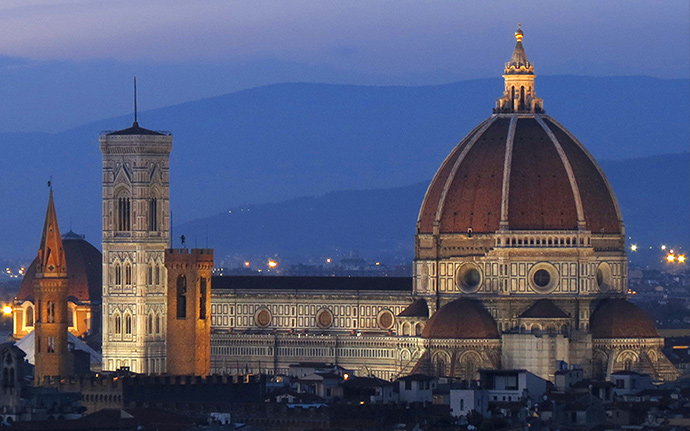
pixel 50 291
pixel 135 235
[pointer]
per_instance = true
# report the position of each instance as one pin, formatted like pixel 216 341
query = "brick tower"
pixel 135 236
pixel 189 311
pixel 50 291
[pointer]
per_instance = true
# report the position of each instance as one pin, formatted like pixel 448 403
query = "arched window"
pixel 118 324
pixel 70 317
pixel 50 312
pixel 149 324
pixel 158 323
pixel 158 275
pixel 123 214
pixel 153 214
pixel 29 316
pixel 128 274
pixel 128 324
pixel 181 297
pixel 118 275
pixel 149 276
pixel 202 299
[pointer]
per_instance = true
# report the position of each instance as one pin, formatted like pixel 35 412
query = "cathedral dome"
pixel 461 319
pixel 618 318
pixel 84 267
pixel 519 170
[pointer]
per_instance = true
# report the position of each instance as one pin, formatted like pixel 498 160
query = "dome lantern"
pixel 519 95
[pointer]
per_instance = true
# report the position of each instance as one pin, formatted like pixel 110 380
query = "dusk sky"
pixel 65 63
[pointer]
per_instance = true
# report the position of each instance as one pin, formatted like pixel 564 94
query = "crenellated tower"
pixel 136 217
pixel 189 311
pixel 50 291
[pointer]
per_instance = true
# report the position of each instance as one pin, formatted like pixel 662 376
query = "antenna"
pixel 135 100
pixel 171 230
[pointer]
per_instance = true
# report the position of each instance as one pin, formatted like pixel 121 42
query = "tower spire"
pixel 519 95
pixel 136 122
pixel 51 256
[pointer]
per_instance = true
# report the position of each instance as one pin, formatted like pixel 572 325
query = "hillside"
pixel 380 223
pixel 275 143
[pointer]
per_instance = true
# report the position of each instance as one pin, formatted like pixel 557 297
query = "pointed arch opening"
pixel 181 297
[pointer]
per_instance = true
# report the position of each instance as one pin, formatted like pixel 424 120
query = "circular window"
pixel 324 318
pixel 543 277
pixel 386 319
pixel 263 317
pixel 604 277
pixel 469 278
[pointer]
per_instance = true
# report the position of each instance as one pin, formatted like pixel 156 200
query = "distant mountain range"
pixel 653 194
pixel 275 143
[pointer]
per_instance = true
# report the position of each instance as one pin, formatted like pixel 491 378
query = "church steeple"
pixel 519 95
pixel 50 291
pixel 51 256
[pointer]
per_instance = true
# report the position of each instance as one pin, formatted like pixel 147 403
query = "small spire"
pixel 51 255
pixel 136 123
pixel 519 94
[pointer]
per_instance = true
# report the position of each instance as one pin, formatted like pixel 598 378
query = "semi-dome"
pixel 461 319
pixel 618 318
pixel 84 268
pixel 519 170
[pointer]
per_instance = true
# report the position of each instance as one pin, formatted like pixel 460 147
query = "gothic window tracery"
pixel 50 312
pixel 128 274
pixel 128 324
pixel 124 209
pixel 153 214
pixel 118 324
pixel 118 274
pixel 181 297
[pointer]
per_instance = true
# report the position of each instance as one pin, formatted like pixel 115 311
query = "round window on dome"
pixel 469 278
pixel 263 317
pixel 604 277
pixel 385 319
pixel 543 277
pixel 324 318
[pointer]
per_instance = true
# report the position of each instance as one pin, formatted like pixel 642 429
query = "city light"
pixel 247 263
pixel 272 264
pixel 681 258
pixel 6 310
pixel 671 258
pixel 328 260
pixel 633 247
pixel 663 247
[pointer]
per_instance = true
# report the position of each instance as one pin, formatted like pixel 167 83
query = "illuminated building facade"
pixel 135 237
pixel 519 263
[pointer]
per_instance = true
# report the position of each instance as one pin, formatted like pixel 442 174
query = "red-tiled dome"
pixel 552 181
pixel 84 269
pixel 461 319
pixel 618 318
